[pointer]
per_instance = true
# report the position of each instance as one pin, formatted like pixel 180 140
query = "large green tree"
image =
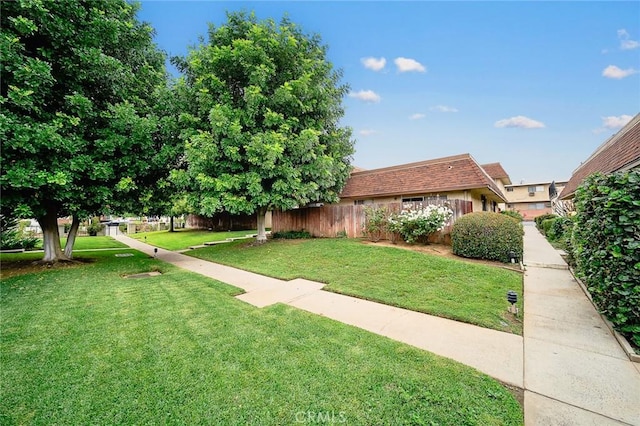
pixel 81 82
pixel 264 120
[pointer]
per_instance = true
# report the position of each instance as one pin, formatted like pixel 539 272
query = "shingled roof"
pixel 619 152
pixel 496 171
pixel 455 173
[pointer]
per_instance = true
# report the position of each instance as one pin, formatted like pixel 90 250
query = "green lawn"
pixel 88 243
pixel 184 238
pixel 449 288
pixel 178 349
pixel 93 243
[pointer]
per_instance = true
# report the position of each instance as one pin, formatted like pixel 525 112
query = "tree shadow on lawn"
pixel 12 268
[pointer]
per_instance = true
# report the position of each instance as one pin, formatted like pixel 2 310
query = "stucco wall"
pixel 473 196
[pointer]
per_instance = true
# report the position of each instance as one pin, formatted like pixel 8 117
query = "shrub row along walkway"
pixel 575 372
pixel 571 368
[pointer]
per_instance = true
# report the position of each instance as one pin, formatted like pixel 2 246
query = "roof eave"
pixel 439 190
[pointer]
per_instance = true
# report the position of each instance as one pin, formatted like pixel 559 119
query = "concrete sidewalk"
pixel 571 367
pixel 575 372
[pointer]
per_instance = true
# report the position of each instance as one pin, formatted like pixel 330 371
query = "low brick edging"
pixel 624 343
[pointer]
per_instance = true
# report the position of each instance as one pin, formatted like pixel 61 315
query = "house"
pixel 456 177
pixel 459 181
pixel 532 199
pixel 618 153
pixel 499 176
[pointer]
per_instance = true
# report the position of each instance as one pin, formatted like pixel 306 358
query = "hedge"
pixel 538 220
pixel 512 213
pixel 560 227
pixel 546 226
pixel 607 246
pixel 487 235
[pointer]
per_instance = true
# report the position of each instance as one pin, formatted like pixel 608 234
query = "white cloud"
pixel 408 64
pixel 519 121
pixel 443 108
pixel 622 33
pixel 625 41
pixel 372 63
pixel 366 95
pixel 614 122
pixel 629 44
pixel 416 116
pixel 614 72
pixel 367 132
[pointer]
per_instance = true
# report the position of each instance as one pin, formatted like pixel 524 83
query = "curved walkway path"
pixel 571 367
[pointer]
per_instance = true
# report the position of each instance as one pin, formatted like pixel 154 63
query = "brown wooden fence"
pixel 348 220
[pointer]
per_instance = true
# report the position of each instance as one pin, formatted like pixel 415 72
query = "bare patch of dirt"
pixel 515 391
pixel 441 250
pixel 20 267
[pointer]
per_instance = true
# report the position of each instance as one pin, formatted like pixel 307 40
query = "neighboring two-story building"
pixel 532 199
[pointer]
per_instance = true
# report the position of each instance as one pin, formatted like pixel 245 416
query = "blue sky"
pixel 536 86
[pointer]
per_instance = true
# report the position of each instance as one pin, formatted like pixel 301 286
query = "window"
pixel 537 206
pixel 413 200
pixel 538 188
pixel 430 198
pixel 509 189
pixel 358 202
pixel 426 199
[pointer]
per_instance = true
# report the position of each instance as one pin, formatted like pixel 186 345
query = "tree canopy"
pixel 263 119
pixel 81 83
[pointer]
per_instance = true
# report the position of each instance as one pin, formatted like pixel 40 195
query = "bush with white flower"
pixel 413 224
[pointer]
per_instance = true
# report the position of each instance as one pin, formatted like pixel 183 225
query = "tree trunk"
pixel 51 237
pixel 171 224
pixel 262 234
pixel 71 238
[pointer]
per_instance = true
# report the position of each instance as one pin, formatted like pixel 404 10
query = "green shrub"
pixel 292 235
pixel 607 246
pixel 375 223
pixel 14 236
pixel 123 227
pixel 567 244
pixel 559 228
pixel 538 220
pixel 94 227
pixel 512 213
pixel 487 235
pixel 417 225
pixel 9 234
pixel 545 226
